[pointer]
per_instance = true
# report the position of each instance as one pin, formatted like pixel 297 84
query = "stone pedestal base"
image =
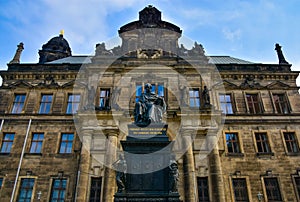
pixel 120 197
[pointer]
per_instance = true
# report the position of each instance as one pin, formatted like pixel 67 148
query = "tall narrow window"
pixel 18 104
pixel 66 143
pixel 73 103
pixel 1 182
pixel 272 189
pixel 7 142
pixel 240 189
pixel 232 143
pixel 297 186
pixel 194 97
pixel 203 191
pixel 262 143
pixel 281 103
pixel 58 191
pixel 138 92
pixel 104 99
pixel 26 188
pixel 253 104
pixel 291 142
pixel 95 193
pixel 45 104
pixel 36 143
pixel 226 103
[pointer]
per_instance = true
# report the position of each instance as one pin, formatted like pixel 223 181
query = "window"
pixel 262 143
pixel 281 103
pixel 95 193
pixel 194 97
pixel 45 104
pixel 58 190
pixel 36 143
pixel 104 99
pixel 25 192
pixel 253 104
pixel 240 189
pixel 157 88
pixel 272 189
pixel 291 142
pixel 203 191
pixel 297 186
pixel 232 143
pixel 66 143
pixel 73 104
pixel 7 142
pixel 226 103
pixel 1 182
pixel 18 104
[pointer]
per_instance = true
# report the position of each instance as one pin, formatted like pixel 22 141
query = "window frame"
pixel 45 104
pixel 107 101
pixel 67 142
pixel 20 188
pixel 70 109
pixel 247 182
pixel 1 182
pixel 194 89
pixel 204 189
pixel 286 101
pixel 3 141
pixel 52 188
pixel 226 103
pixel 278 188
pixel 91 188
pixel 22 102
pixel 261 153
pixel 296 142
pixel 41 141
pixel 295 185
pixel 239 143
pixel 259 103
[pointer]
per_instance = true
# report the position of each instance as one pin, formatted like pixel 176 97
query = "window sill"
pixel 64 155
pixel 235 154
pixel 4 154
pixel 265 154
pixel 293 153
pixel 33 155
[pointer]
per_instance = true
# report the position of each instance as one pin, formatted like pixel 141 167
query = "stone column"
pixel 84 167
pixel 189 167
pixel 216 177
pixel 109 187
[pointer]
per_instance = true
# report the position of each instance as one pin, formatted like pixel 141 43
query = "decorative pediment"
pixel 278 85
pixel 226 84
pixel 73 84
pixel 48 82
pixel 20 84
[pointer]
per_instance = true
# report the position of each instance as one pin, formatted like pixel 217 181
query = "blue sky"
pixel 246 29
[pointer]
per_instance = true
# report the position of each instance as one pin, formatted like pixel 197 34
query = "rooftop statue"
pixel 280 54
pixel 149 108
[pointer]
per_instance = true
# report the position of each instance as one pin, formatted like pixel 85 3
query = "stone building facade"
pixel 234 123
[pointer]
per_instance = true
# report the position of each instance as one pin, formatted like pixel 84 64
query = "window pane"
pixel 7 143
pixel 66 144
pixel 297 183
pixel 1 182
pixel 194 98
pixel 232 143
pixel 291 142
pixel 36 143
pixel 58 190
pixel 95 192
pixel 262 143
pixel 225 102
pixel 240 189
pixel 160 90
pixel 73 104
pixel 104 99
pixel 272 189
pixel 25 192
pixel 18 104
pixel 203 190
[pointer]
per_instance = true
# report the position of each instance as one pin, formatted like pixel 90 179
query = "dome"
pixel 56 48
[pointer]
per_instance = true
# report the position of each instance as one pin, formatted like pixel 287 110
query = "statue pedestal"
pixel 147 152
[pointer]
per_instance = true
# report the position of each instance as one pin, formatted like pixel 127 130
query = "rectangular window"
pixel 262 143
pixel 226 103
pixel 281 103
pixel 240 189
pixel 272 189
pixel 45 104
pixel 297 186
pixel 58 190
pixel 194 97
pixel 66 143
pixel 1 182
pixel 203 191
pixel 7 142
pixel 232 143
pixel 25 192
pixel 95 193
pixel 253 104
pixel 18 104
pixel 104 99
pixel 291 142
pixel 73 103
pixel 36 143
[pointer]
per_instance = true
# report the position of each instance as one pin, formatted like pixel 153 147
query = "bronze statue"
pixel 174 175
pixel 149 108
pixel 121 168
pixel 205 95
pixel 280 54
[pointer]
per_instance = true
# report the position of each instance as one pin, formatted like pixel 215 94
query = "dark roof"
pixel 81 59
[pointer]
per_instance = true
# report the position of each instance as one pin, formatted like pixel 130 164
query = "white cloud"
pixel 232 35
